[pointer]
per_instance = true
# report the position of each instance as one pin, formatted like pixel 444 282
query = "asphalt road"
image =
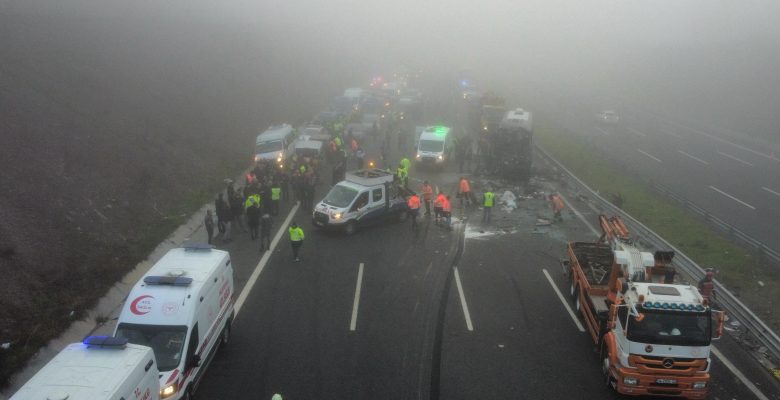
pixel 736 182
pixel 412 338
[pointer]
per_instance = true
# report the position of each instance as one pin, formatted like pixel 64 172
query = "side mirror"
pixel 718 318
pixel 194 361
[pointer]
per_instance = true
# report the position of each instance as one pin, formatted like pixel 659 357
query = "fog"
pixel 710 60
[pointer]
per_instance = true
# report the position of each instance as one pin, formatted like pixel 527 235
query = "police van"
pixel 183 309
pixel 100 368
pixel 435 146
pixel 364 197
pixel 275 144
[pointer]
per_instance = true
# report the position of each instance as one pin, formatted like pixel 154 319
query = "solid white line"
pixel 735 158
pixel 693 157
pixel 463 304
pixel 745 381
pixel 732 197
pixel 649 155
pixel 770 190
pixel 250 283
pixel 563 301
pixel 637 132
pixel 356 302
pixel 579 215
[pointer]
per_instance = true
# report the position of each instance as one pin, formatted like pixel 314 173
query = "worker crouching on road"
pixel 414 209
pixel 556 203
pixel 296 240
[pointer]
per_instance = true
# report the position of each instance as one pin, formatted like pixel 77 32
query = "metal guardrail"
pixel 723 226
pixel 725 299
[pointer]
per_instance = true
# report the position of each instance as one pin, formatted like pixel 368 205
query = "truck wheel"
pixel 350 229
pixel 609 381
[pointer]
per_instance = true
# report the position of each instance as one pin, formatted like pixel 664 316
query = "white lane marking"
pixel 738 374
pixel 563 301
pixel 603 132
pixel 770 190
pixel 649 155
pixel 693 157
pixel 463 304
pixel 637 132
pixel 735 158
pixel 732 198
pixel 264 260
pixel 758 153
pixel 579 215
pixel 670 133
pixel 356 302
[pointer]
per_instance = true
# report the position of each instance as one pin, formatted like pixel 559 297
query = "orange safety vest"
pixel 440 201
pixel 464 186
pixel 413 203
pixel 557 203
pixel 427 191
pixel 446 206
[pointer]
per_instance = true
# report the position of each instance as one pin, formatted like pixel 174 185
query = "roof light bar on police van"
pixel 105 341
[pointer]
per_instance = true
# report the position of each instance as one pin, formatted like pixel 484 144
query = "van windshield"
pixel 167 341
pixel 268 147
pixel 340 196
pixel 431 145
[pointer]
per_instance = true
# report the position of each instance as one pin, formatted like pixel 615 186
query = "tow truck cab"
pixel 364 197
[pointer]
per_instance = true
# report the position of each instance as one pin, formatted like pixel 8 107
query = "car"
pixel 608 117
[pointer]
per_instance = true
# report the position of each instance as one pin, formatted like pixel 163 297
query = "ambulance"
pixel 100 368
pixel 183 309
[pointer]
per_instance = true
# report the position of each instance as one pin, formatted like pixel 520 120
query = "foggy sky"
pixel 686 52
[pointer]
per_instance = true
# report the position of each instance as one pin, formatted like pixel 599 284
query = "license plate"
pixel 666 381
pixel 319 223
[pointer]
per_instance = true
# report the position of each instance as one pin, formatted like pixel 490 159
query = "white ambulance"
pixel 182 308
pixel 100 368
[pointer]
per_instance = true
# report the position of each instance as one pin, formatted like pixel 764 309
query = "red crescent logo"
pixel 145 308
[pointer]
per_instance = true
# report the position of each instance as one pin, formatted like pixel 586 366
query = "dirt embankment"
pixel 110 132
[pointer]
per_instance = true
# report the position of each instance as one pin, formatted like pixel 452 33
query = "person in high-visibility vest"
pixel 438 204
pixel 446 211
pixel 276 196
pixel 487 206
pixel 556 203
pixel 406 163
pixel 403 175
pixel 296 240
pixel 427 191
pixel 414 208
pixel 464 192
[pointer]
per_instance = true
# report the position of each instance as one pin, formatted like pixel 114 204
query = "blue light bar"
pixel 168 280
pixel 104 341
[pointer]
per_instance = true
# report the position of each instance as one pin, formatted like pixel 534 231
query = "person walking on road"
pixel 266 222
pixel 438 205
pixel 360 155
pixel 427 191
pixel 446 211
pixel 706 285
pixel 222 210
pixel 487 205
pixel 276 197
pixel 237 209
pixel 208 222
pixel 464 193
pixel 253 217
pixel 556 203
pixel 296 240
pixel 403 175
pixel 414 209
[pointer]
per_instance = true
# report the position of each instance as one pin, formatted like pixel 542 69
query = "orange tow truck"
pixel 654 336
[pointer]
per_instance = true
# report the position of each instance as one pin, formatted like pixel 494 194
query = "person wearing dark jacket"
pixel 253 219
pixel 222 210
pixel 266 222
pixel 208 222
pixel 237 209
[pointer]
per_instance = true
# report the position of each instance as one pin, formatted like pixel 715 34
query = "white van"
pixel 435 146
pixel 275 144
pixel 100 368
pixel 516 119
pixel 182 308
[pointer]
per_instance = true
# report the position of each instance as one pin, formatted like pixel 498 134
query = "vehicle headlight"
pixel 168 391
pixel 418 155
pixel 484 128
pixel 440 157
pixel 257 158
pixel 337 216
pixel 630 381
pixel 700 385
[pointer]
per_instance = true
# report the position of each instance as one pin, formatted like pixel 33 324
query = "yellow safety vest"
pixel 296 234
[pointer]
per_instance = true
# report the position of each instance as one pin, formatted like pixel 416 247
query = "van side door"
pixel 377 205
pixel 360 206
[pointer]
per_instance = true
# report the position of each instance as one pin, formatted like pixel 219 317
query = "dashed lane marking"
pixel 263 261
pixel 637 132
pixel 356 302
pixel 563 301
pixel 463 304
pixel 692 157
pixel 735 159
pixel 580 216
pixel 770 191
pixel 649 155
pixel 745 381
pixel 732 198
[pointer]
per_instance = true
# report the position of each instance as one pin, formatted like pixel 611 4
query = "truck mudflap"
pixel 629 382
